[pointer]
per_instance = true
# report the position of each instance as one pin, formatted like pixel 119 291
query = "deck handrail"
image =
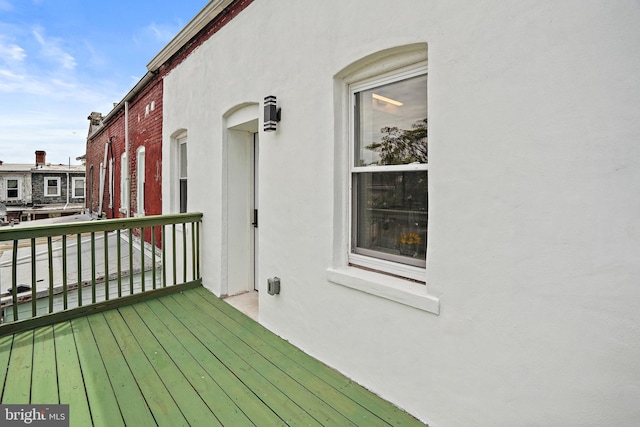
pixel 160 254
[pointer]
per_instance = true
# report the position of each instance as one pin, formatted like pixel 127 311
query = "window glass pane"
pixel 78 190
pixel 391 123
pixel 183 160
pixel 12 188
pixel 391 218
pixel 183 195
pixel 52 187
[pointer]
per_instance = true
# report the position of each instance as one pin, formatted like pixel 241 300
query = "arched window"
pixel 388 163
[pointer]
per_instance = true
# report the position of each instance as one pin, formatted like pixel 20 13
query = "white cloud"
pixel 52 50
pixel 161 33
pixel 10 52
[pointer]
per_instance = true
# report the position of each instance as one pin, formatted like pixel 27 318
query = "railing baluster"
pixel 79 239
pixel 198 248
pixel 93 267
pixel 193 251
pixel 14 280
pixel 106 265
pixel 34 291
pixel 142 257
pixel 173 240
pixel 184 252
pixel 119 256
pixel 50 254
pixel 130 261
pixel 153 255
pixel 64 272
pixel 164 256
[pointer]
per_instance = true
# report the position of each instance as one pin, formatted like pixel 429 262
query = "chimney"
pixel 41 158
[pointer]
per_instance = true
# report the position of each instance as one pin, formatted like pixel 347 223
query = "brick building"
pixel 124 154
pixel 41 190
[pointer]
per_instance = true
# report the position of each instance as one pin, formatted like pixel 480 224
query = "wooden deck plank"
pixel 350 409
pixel 44 375
pixel 133 407
pixel 102 401
pixel 18 382
pixel 6 343
pixel 160 402
pixel 310 402
pixel 259 381
pixel 383 409
pixel 206 373
pixel 182 359
pixel 190 401
pixel 70 381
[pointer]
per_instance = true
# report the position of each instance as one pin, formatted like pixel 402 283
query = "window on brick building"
pixel 140 178
pixel 124 181
pixel 51 186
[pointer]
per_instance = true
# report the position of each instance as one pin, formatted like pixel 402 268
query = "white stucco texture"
pixel 534 240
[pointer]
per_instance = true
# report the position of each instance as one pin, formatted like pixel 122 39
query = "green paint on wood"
pixel 167 356
pixel 44 379
pixel 70 381
pixel 18 382
pixel 133 407
pixel 102 401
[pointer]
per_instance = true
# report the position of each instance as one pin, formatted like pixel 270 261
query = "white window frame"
pixel 359 259
pixel 46 187
pixel 19 187
pixel 74 185
pixel 124 188
pixel 140 181
pixel 111 186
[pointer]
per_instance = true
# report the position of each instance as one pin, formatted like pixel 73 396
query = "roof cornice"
pixel 206 15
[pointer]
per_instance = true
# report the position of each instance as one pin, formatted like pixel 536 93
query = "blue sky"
pixel 62 59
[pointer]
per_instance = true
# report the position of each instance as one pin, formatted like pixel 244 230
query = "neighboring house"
pixel 42 190
pixel 124 154
pixel 500 291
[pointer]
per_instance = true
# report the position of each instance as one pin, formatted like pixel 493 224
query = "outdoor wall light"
pixel 271 114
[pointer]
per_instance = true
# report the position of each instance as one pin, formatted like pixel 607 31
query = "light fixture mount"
pixel 272 113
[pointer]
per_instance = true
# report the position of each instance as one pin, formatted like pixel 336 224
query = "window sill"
pixel 392 288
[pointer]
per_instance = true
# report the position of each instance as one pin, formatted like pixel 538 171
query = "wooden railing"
pixel 53 272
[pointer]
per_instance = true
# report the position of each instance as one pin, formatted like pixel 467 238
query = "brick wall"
pixel 145 130
pixel 38 191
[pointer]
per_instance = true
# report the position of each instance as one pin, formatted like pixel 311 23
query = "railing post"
pixel 34 291
pixel 142 258
pixel 119 256
pixel 14 280
pixel 106 265
pixel 153 255
pixel 79 240
pixel 50 258
pixel 93 267
pixel 64 272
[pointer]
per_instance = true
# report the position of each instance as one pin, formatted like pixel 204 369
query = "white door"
pixel 255 210
pixel 242 210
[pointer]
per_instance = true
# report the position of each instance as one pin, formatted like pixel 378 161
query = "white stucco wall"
pixel 534 242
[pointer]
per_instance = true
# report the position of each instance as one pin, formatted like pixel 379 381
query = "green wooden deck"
pixel 177 360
